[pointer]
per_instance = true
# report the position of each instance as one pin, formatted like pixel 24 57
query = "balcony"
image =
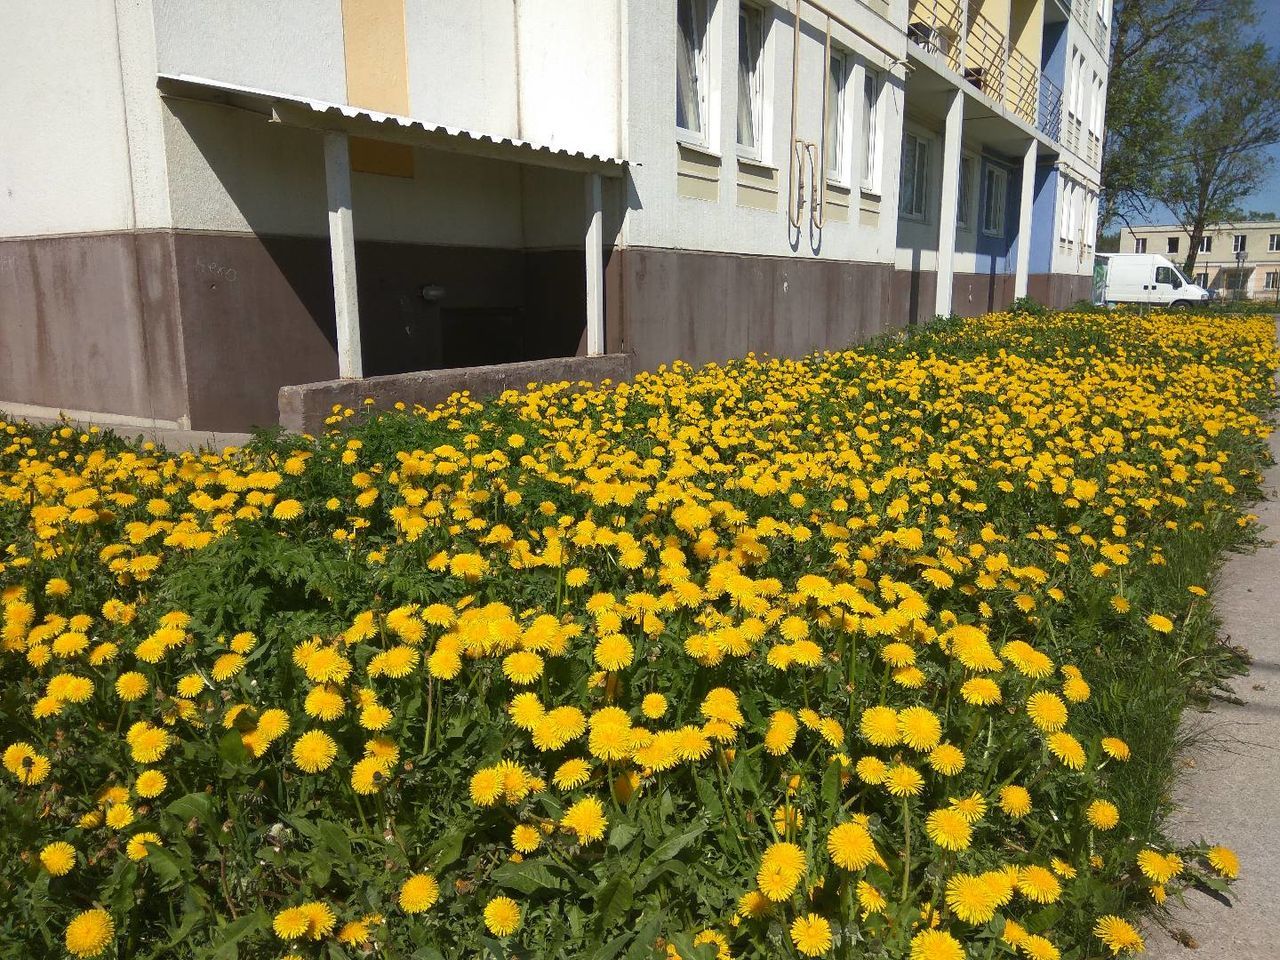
pixel 974 47
pixel 1050 109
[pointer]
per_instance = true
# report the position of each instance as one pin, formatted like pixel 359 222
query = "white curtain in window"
pixel 869 94
pixel 834 131
pixel 691 35
pixel 750 40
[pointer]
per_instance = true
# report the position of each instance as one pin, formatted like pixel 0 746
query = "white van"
pixel 1144 278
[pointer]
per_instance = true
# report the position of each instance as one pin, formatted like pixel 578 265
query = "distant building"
pixel 1217 266
pixel 202 203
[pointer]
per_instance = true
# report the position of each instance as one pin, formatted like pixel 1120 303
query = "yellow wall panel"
pixel 376 59
pixel 381 156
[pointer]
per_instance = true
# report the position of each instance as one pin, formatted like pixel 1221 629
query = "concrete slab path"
pixel 1229 788
pixel 168 437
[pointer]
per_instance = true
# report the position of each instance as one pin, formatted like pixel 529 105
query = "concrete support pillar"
pixel 342 247
pixel 594 243
pixel 949 201
pixel 1022 277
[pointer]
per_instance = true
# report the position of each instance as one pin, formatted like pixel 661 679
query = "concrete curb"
pixel 304 407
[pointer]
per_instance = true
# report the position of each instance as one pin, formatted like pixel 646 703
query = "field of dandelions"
pixel 876 654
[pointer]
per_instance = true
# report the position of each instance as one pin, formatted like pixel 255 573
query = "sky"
pixel 1268 197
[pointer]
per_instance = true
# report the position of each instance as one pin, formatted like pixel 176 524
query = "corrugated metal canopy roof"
pixel 358 121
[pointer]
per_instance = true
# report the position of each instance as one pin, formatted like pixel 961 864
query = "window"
pixel 1239 243
pixel 871 131
pixel 1073 80
pixel 692 76
pixel 1173 245
pixel 915 177
pixel 1273 245
pixel 833 131
pixel 965 203
pixel 1070 213
pixel 1140 245
pixel 1206 246
pixel 1272 280
pixel 1165 275
pixel 996 194
pixel 1202 279
pixel 750 80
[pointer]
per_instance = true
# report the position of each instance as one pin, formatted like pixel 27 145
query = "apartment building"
pixel 201 204
pixel 1219 266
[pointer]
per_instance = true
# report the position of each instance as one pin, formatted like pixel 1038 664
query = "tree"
pixel 1152 44
pixel 1234 113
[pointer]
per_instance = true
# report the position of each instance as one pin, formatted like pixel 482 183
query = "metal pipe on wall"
pixel 795 185
pixel 801 149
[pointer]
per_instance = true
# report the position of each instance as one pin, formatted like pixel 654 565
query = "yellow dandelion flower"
pixel 314 751
pixel 58 858
pixel 1102 815
pixel 811 935
pixel 89 933
pixel 502 916
pixel 1118 935
pixel 1224 861
pixel 850 846
pixel 949 829
pixel 418 893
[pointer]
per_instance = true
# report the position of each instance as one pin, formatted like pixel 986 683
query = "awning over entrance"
pixel 339 122
pixel 358 121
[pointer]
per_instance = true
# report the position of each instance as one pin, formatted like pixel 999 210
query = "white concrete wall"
pixel 570 73
pixel 290 46
pixel 233 170
pixel 540 70
pixel 78 82
pixel 462 68
pixel 660 217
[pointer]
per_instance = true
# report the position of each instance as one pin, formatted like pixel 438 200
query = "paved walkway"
pixel 1229 789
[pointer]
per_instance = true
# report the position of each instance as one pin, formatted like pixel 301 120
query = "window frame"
pixel 1240 243
pixel 1271 280
pixel 756 85
pixel 919 183
pixel 1273 243
pixel 1139 244
pixel 1202 279
pixel 838 173
pixel 1206 246
pixel 1000 175
pixel 703 11
pixel 872 111
pixel 1172 244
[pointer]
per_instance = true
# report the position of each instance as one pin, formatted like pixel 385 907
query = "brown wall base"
pixel 91 323
pixel 1059 290
pixel 206 328
pixel 973 294
pixel 702 307
pixel 914 297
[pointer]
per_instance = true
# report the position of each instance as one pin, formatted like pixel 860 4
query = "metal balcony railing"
pixel 978 50
pixel 1050 114
pixel 939 27
pixel 1022 86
